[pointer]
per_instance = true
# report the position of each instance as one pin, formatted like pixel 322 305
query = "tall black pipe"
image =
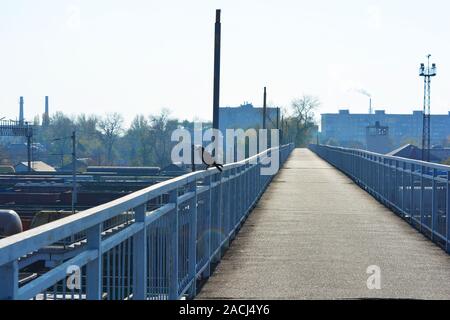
pixel 278 118
pixel 216 71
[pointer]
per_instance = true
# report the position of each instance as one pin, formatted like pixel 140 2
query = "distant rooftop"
pixel 381 112
pixel 36 166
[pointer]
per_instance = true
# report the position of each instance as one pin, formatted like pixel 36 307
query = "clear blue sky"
pixel 138 56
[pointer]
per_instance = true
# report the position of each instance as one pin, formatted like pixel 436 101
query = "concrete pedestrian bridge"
pixel 313 235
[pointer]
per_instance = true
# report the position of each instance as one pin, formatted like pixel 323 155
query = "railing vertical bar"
pixel 434 215
pixel 108 274
pixel 403 188
pixel 9 280
pixel 114 274
pixel 94 268
pixel 447 213
pixel 208 216
pixel 140 256
pixel 128 268
pixel 119 272
pixel 173 279
pixel 422 200
pixel 192 268
pixel 219 218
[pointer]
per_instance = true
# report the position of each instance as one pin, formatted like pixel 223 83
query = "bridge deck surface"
pixel 312 236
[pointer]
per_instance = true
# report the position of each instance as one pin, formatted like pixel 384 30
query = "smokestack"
pixel 46 105
pixel 21 118
pixel 46 117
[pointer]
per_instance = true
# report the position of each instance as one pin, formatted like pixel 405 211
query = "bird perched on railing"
pixel 207 158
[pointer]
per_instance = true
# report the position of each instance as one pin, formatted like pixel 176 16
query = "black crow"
pixel 207 158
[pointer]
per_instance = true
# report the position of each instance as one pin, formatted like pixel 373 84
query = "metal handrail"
pixel 384 156
pixel 416 190
pixel 197 215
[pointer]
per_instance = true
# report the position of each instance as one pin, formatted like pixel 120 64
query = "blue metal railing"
pixel 418 191
pixel 171 233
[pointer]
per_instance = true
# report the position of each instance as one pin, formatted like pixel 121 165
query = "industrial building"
pixel 246 116
pixel 346 129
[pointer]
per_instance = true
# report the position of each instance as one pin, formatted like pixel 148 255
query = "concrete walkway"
pixel 313 235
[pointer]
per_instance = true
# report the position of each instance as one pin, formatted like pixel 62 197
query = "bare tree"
pixel 139 139
pixel 303 117
pixel 162 127
pixel 110 127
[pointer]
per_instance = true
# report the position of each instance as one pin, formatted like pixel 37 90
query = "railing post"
pixel 247 188
pixel 173 279
pixel 239 192
pixel 192 251
pixel 235 199
pixel 447 213
pixel 403 188
pixel 412 210
pixel 140 256
pixel 207 180
pixel 396 186
pixel 94 268
pixel 422 202
pixel 387 180
pixel 9 280
pixel 383 179
pixel 434 215
pixel 218 257
pixel 227 207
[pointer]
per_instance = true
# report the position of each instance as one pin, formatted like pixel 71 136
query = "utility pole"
pixel 29 135
pixel 427 73
pixel 74 171
pixel 216 88
pixel 278 117
pixel 193 157
pixel 278 124
pixel 264 108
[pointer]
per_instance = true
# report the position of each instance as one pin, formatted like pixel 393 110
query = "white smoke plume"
pixel 364 92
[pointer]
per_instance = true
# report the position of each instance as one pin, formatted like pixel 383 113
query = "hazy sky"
pixel 138 56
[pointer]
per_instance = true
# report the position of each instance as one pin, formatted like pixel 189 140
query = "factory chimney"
pixel 21 118
pixel 46 117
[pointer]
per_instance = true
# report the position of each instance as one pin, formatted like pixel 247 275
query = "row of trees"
pixel 106 141
pixel 145 142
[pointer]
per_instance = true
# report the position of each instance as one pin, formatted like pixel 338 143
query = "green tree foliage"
pixel 105 141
